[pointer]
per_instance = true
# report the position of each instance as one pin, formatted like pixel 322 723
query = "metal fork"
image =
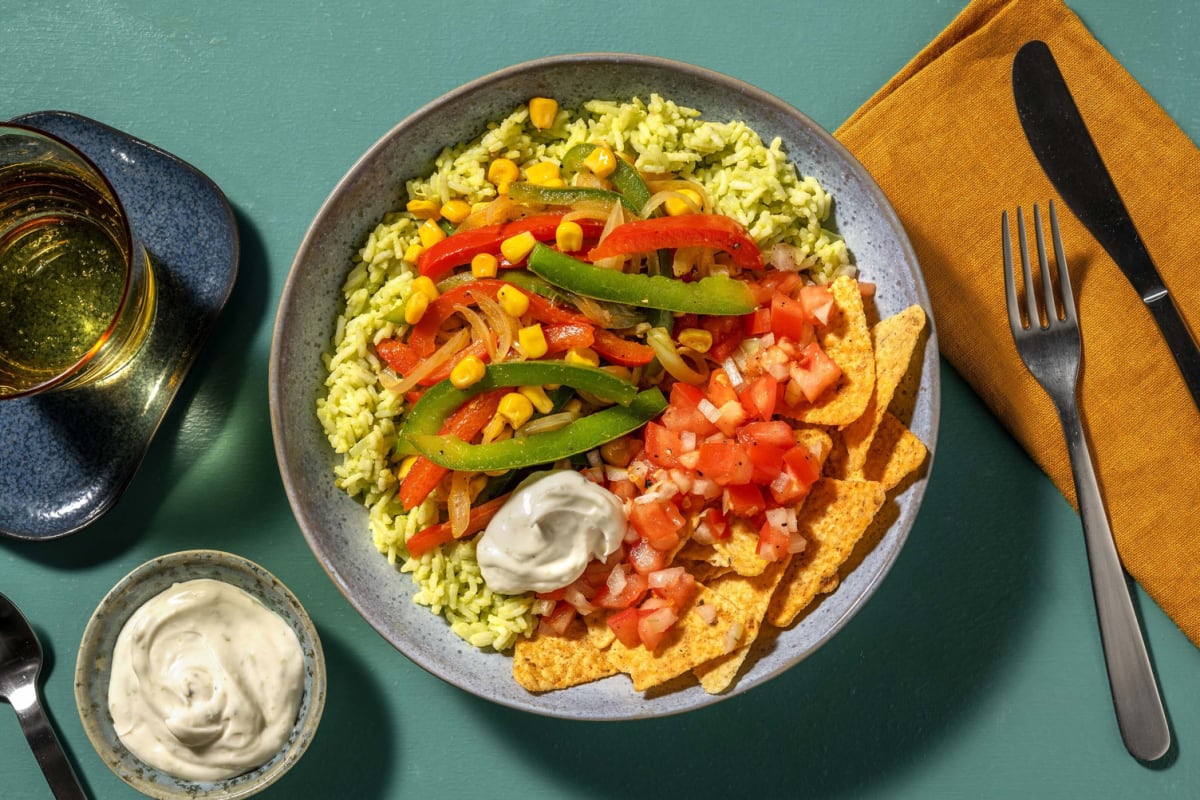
pixel 1051 349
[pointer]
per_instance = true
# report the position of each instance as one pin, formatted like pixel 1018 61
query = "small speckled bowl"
pixel 92 670
pixel 335 524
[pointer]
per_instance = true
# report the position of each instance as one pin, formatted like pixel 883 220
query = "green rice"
pixel 747 179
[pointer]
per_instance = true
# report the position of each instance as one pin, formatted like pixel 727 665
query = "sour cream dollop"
pixel 548 531
pixel 206 681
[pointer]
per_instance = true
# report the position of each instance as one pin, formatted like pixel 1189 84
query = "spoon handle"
pixel 48 752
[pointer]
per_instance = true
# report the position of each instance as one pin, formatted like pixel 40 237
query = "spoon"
pixel 20 665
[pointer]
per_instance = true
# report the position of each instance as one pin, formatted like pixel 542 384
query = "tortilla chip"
pixel 737 552
pixel 705 572
pixel 835 462
pixel 847 341
pixel 894 340
pixel 545 663
pixel 599 635
pixel 690 642
pixel 752 595
pixel 895 453
pixel 832 519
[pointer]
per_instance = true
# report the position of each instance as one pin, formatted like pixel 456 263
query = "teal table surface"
pixel 974 671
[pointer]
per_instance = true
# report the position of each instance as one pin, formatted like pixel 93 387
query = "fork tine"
pixel 1048 299
pixel 1010 281
pixel 1064 278
pixel 1026 272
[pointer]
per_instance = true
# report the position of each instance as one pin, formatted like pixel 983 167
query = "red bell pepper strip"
pixel 565 335
pixel 689 230
pixel 425 540
pixel 464 423
pixel 422 340
pixel 403 359
pixel 460 248
pixel 616 350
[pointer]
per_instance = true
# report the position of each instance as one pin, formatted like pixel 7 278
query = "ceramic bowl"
pixel 92 670
pixel 336 525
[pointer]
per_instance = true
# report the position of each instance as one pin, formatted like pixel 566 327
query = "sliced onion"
pixel 503 326
pixel 615 217
pixel 439 358
pixel 479 329
pixel 458 503
pixel 550 422
pixel 664 349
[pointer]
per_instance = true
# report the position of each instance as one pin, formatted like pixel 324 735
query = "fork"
pixel 1049 342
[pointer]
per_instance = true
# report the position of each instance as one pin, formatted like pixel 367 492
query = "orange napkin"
pixel 943 140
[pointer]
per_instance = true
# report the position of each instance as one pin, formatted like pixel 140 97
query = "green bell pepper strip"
pixel 585 433
pixel 625 177
pixel 566 195
pixel 441 399
pixel 717 295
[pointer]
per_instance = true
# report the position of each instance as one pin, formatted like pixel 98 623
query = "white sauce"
pixel 206 681
pixel 548 531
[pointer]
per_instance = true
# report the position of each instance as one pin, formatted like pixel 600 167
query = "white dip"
pixel 548 531
pixel 206 681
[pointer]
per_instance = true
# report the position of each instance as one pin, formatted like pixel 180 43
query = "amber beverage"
pixel 76 288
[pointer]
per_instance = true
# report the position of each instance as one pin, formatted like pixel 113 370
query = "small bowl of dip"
pixel 200 675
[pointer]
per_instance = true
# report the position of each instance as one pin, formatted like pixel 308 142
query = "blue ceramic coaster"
pixel 65 457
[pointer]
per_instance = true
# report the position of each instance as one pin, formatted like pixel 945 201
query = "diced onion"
pixel 735 374
pixel 707 612
pixel 688 440
pixel 796 543
pixel 614 474
pixel 733 636
pixel 710 411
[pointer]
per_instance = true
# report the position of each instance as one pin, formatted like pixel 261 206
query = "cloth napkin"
pixel 943 140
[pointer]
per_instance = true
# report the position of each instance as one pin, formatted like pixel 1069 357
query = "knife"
pixel 1069 157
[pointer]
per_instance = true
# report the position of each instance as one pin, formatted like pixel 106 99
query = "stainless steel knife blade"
pixel 1061 142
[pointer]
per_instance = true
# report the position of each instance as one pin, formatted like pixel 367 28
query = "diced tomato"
pixel 801 462
pixel 772 542
pixel 625 625
pixel 663 446
pixel 711 527
pixel 658 522
pixel 624 588
pixel 798 474
pixel 726 335
pixel 814 372
pixel 625 489
pixel 776 433
pixel 645 558
pixel 618 350
pixel 653 624
pixel 731 416
pixel 557 621
pixel 817 302
pixel 744 500
pixel 675 585
pixel 758 397
pixel 725 462
pixel 774 281
pixel 757 322
pixel 720 388
pixel 683 411
pixel 788 319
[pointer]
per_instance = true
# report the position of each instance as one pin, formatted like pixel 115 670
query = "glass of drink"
pixel 77 293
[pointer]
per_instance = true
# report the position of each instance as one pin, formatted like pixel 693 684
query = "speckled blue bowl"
pixel 94 662
pixel 336 526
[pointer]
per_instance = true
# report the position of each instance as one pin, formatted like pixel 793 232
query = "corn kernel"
pixel 697 339
pixel 413 253
pixel 677 207
pixel 516 248
pixel 467 372
pixel 538 398
pixel 532 341
pixel 430 233
pixel 424 209
pixel 542 172
pixel 425 285
pixel 456 210
pixel 624 373
pixel 585 356
pixel 601 161
pixel 484 265
pixel 503 170
pixel 555 183
pixel 512 300
pixel 418 303
pixel 542 111
pixel 494 429
pixel 568 236
pixel 406 465
pixel 516 408
pixel 574 405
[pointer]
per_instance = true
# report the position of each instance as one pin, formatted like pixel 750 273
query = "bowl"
pixel 335 525
pixel 94 663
